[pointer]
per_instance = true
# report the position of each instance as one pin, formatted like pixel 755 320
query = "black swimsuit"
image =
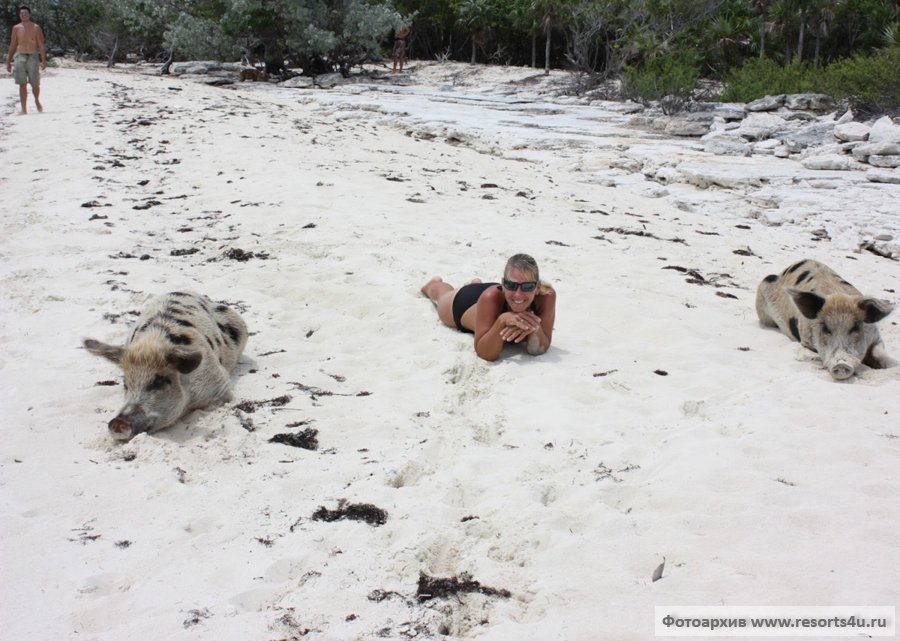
pixel 467 296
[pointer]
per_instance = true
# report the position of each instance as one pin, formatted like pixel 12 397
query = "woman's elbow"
pixel 486 354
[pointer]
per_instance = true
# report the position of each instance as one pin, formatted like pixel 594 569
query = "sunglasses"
pixel 527 286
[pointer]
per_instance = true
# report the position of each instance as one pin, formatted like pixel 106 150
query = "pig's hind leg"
pixel 215 388
pixel 877 357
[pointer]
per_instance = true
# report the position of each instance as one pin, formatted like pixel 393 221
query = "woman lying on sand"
pixel 522 308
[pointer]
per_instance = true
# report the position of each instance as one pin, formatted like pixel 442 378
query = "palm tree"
pixel 547 11
pixel 477 16
pixel 524 18
pixel 761 8
pixel 821 15
pixel 785 15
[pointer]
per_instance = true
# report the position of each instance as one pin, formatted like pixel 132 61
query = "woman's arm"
pixel 539 340
pixel 489 323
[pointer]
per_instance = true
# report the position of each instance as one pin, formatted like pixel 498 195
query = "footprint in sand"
pixel 102 585
pixel 409 474
pixel 441 557
pixel 460 372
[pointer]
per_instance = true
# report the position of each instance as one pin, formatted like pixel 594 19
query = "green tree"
pixel 477 17
pixel 546 13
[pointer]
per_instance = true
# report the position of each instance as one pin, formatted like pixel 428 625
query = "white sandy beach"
pixel 663 424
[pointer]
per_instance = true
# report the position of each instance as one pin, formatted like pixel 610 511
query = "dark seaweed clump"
pixel 435 587
pixel 353 511
pixel 251 406
pixel 305 439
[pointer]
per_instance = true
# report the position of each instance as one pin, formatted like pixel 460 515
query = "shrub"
pixel 871 84
pixel 669 79
pixel 758 78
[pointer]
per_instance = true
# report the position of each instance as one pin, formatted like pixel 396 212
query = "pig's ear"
pixel 875 309
pixel 184 360
pixel 112 353
pixel 808 303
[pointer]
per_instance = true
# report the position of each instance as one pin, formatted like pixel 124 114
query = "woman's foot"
pixel 427 286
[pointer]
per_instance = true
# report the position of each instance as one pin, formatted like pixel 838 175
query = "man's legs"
pixel 23 98
pixel 36 90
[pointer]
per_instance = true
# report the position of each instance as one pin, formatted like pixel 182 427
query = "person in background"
pixel 26 49
pixel 399 53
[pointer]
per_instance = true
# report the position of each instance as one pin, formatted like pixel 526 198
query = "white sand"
pixel 756 477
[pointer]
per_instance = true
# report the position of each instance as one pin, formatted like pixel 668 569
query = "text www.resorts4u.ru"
pixel 837 621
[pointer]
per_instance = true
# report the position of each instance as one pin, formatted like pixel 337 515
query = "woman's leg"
pixel 441 294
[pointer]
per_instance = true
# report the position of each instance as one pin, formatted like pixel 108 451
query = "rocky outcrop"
pixel 790 126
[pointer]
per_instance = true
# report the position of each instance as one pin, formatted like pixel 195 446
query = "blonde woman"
pixel 519 309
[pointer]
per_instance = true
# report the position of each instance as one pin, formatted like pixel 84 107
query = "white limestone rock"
pixel 811 101
pixel 883 176
pixel 767 103
pixel 725 145
pixel 759 126
pixel 884 130
pixel 812 135
pixel 329 80
pixel 687 127
pixel 298 82
pixel 851 131
pixel 888 162
pixel 863 151
pixel 835 162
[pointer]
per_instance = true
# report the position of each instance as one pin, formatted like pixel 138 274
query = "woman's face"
pixel 519 300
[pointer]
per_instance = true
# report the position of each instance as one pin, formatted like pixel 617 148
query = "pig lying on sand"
pixel 177 359
pixel 813 305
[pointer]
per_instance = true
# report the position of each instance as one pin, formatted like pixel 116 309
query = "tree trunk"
pixel 800 39
pixel 816 53
pixel 164 71
pixel 473 51
pixel 762 40
pixel 112 54
pixel 547 50
pixel 534 51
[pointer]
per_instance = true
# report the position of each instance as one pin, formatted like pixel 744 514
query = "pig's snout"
pixel 120 428
pixel 841 370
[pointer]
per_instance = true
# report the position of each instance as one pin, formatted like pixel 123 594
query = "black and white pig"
pixel 811 304
pixel 178 358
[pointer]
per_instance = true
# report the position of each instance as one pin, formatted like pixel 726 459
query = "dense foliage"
pixel 668 79
pixel 871 84
pixel 770 40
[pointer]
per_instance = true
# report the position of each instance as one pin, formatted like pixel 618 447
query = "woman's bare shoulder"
pixel 491 294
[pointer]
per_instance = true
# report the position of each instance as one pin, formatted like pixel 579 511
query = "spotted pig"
pixel 811 304
pixel 178 358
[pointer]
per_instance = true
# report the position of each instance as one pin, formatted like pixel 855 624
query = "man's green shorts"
pixel 27 69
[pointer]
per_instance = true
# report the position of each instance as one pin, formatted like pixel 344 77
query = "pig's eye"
pixel 158 383
pixel 856 327
pixel 825 330
pixel 125 385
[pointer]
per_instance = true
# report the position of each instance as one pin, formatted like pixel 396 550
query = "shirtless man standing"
pixel 26 46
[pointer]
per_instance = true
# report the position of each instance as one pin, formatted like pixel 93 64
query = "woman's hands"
pixel 517 326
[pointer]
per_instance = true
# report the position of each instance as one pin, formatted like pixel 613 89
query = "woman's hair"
pixel 525 263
